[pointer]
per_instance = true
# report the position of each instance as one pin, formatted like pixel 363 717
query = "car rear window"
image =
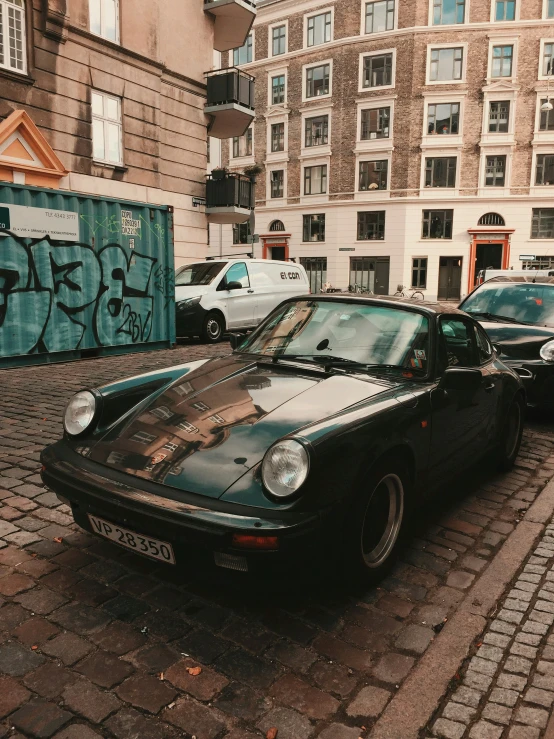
pixel 526 302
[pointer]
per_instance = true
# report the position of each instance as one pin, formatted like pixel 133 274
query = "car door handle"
pixel 490 387
pixel 250 291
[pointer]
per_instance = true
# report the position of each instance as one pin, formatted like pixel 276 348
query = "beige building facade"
pixel 115 94
pixel 402 142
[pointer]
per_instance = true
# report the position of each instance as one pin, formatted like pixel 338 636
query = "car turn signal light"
pixel 243 541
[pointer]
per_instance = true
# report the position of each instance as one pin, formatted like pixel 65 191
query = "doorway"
pixel 370 273
pixel 450 278
pixel 278 252
pixel 316 269
pixel 487 256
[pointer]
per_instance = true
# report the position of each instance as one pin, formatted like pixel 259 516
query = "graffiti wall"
pixel 112 289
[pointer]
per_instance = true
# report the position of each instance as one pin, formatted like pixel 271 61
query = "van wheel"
pixel 213 328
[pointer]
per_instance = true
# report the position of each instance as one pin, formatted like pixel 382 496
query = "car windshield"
pixel 343 332
pixel 517 302
pixel 202 273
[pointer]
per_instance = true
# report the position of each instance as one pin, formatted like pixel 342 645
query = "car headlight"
pixel 285 468
pixel 79 413
pixel 547 352
pixel 189 302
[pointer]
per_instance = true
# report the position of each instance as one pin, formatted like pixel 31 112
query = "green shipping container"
pixel 82 276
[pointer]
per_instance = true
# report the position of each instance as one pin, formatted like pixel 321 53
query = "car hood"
pixel 206 430
pixel 518 341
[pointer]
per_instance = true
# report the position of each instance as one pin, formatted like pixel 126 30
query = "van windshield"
pixel 202 273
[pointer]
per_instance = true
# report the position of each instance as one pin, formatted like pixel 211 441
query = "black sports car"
pixel 518 315
pixel 304 447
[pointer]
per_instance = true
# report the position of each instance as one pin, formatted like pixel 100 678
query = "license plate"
pixel 137 542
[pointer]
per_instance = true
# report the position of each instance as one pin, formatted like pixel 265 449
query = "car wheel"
pixel 512 432
pixel 375 523
pixel 213 328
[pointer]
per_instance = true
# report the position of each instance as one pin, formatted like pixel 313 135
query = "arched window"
pixel 12 35
pixel 491 219
pixel 277 226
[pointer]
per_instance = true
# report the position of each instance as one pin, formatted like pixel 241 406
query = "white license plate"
pixel 137 542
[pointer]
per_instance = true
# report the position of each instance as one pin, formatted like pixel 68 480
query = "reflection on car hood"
pixel 518 341
pixel 206 430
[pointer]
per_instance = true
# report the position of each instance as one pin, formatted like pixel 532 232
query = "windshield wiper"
pixel 329 361
pixel 495 317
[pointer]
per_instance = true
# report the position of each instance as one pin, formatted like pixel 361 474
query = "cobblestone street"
pixel 97 642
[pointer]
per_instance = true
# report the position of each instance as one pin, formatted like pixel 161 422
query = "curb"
pixel 413 706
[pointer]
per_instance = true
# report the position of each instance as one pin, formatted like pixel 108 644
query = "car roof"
pixel 422 306
pixel 522 280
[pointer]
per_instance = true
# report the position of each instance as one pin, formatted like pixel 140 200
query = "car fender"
pixel 214 301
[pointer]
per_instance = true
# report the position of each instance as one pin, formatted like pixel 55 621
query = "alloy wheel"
pixel 382 520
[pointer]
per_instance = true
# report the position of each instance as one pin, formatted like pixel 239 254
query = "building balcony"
pixel 230 102
pixel 233 21
pixel 229 198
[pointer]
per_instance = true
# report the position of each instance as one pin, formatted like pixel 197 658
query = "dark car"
pixel 305 447
pixel 518 315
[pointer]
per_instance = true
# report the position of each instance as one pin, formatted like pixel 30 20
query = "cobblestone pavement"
pixel 507 686
pixel 95 642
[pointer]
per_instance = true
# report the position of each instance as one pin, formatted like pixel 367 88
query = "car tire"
pixel 511 434
pixel 213 328
pixel 375 523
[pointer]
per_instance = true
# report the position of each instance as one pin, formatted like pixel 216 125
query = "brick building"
pixel 402 141
pixel 110 98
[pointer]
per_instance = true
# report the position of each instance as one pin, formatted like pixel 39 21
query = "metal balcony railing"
pixel 231 191
pixel 227 86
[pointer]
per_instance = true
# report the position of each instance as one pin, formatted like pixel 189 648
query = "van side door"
pixel 240 303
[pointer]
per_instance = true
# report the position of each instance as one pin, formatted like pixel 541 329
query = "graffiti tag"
pixel 65 297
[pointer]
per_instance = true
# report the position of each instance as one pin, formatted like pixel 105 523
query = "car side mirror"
pixel 461 379
pixel 233 286
pixel 236 340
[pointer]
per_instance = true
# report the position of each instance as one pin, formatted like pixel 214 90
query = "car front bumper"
pixel 199 529
pixel 190 321
pixel 538 380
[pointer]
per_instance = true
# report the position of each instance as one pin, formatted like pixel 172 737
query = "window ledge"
pixel 109 165
pixel 21 77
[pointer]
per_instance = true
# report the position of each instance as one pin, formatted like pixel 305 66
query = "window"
pixel 484 348
pixel 277 225
pixel 375 124
pixel 448 11
pixel 374 175
pixel 457 347
pixel 491 219
pixel 437 224
pixel 316 268
pixel 543 223
pixel 188 427
pixel 106 128
pixel 547 59
pixel 446 64
pixel 379 16
pixel 277 183
pixel 278 137
pixel 419 272
pixel 278 89
pixel 550 9
pixel 278 40
pixel 243 54
pixel 199 406
pixel 313 227
pixel 185 388
pixel 443 118
pixel 371 225
pixel 317 131
pixel 546 121
pixel 317 81
pixel 162 412
pixel 141 437
pixel 499 116
pixel 538 263
pixel 171 447
pixel 104 19
pixel 377 70
pixel 12 35
pixel 319 29
pixel 505 10
pixel 241 233
pixel 236 273
pixel 502 59
pixel 315 180
pixel 440 172
pixel 216 418
pixel 242 145
pixel 495 171
pixel 545 169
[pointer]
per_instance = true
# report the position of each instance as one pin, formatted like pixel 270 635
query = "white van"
pixel 231 294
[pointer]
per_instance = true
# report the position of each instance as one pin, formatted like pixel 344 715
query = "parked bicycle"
pixel 359 290
pixel 416 294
